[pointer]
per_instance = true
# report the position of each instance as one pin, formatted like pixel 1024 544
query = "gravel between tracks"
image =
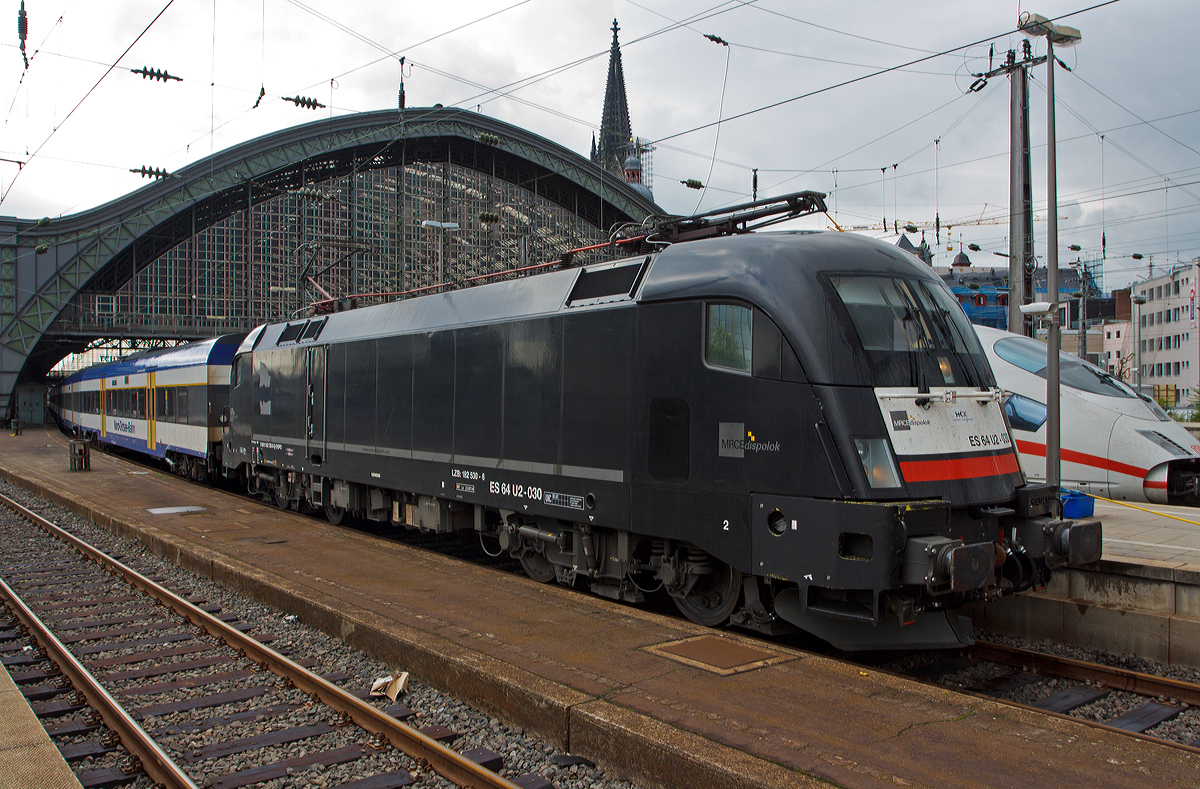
pixel 1184 728
pixel 522 753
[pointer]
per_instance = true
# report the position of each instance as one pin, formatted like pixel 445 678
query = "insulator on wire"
pixel 23 31
pixel 308 193
pixel 304 101
pixel 692 183
pixel 262 92
pixel 716 39
pixel 150 172
pixel 153 74
pixel 489 218
pixel 489 139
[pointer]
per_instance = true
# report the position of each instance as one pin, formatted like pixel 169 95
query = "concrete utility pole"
pixel 1021 262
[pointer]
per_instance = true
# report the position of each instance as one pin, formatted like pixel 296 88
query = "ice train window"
pixel 730 337
pixel 1030 355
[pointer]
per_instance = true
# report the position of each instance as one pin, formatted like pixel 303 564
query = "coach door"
pixel 316 404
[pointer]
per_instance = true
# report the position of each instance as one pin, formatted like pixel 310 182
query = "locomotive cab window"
pixel 910 332
pixel 729 340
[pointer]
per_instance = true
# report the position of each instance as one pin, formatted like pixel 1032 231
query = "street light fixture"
pixel 442 227
pixel 1036 25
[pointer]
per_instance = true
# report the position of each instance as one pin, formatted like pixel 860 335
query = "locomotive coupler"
pixel 941 564
pixel 1060 542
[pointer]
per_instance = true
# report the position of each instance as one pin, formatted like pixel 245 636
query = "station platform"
pixel 653 697
pixel 28 757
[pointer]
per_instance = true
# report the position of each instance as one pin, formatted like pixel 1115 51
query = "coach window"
pixel 729 341
pixel 181 406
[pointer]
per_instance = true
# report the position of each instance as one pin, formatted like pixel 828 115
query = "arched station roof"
pixel 44 264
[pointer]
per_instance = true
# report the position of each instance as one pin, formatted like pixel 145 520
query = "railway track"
pixel 1135 703
pixel 141 686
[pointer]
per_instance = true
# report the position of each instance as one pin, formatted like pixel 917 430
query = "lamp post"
pixel 1139 300
pixel 1036 25
pixel 442 227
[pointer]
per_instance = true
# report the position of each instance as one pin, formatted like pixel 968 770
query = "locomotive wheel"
pixel 335 514
pixel 713 598
pixel 537 567
pixel 281 499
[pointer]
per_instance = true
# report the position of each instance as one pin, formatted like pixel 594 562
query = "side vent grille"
pixel 305 331
pixel 291 333
pixel 600 285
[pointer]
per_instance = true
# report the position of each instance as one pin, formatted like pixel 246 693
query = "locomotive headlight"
pixel 877 462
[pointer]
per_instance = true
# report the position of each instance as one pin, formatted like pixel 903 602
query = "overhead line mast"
pixel 1021 261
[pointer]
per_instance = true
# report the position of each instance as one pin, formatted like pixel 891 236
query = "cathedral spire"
pixel 616 133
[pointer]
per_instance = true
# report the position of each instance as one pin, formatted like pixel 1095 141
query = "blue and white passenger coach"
pixel 167 403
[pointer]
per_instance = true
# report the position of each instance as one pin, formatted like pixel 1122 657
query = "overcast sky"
pixel 541 65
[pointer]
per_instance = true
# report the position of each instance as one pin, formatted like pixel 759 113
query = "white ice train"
pixel 1114 443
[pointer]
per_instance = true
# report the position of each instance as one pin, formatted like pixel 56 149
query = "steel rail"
pixel 151 758
pixel 1115 678
pixel 446 762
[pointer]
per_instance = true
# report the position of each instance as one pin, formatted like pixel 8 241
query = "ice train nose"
pixel 1154 484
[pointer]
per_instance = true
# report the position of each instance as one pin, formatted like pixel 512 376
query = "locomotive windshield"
pixel 912 333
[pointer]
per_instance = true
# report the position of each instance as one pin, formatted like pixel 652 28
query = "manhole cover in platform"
pixel 718 655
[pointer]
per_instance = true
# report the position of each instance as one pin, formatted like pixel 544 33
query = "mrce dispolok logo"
pixel 734 441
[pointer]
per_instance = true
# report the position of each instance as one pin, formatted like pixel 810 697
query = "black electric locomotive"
pixel 781 430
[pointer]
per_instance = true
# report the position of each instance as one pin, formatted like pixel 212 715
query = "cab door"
pixel 316 404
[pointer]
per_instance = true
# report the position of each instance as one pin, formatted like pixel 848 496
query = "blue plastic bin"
pixel 1077 505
